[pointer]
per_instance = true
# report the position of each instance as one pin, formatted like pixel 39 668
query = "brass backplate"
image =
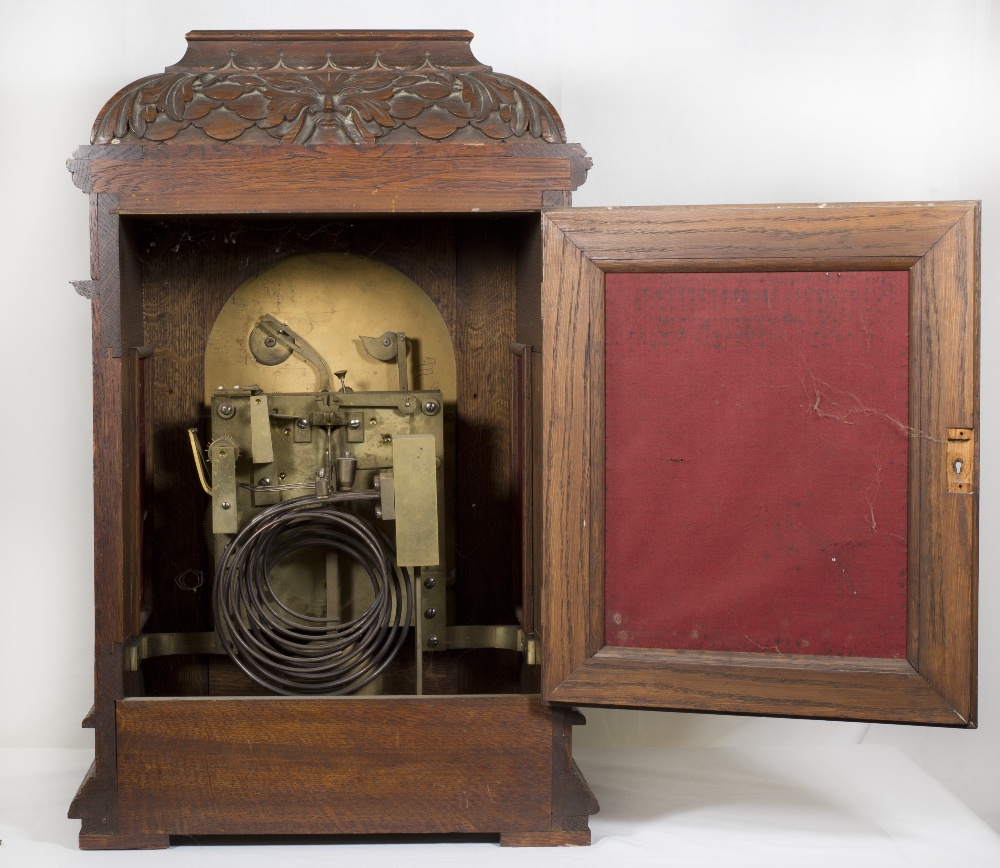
pixel 331 299
pixel 285 429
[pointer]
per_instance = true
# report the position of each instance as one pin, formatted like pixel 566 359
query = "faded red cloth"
pixel 756 470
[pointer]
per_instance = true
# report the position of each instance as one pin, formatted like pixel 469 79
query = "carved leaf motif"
pixel 251 106
pixel 503 87
pixel 137 117
pixel 169 94
pixel 371 110
pixel 370 80
pixel 518 118
pixel 281 107
pixel 224 91
pixel 494 127
pixel 114 118
pixel 457 106
pixel 177 97
pixel 223 124
pixel 480 99
pixel 164 128
pixel 364 104
pixel 297 129
pixel 200 106
pixel 432 90
pixel 249 80
pixel 114 122
pixel 292 83
pixel 436 123
pixel 405 106
pixel 358 129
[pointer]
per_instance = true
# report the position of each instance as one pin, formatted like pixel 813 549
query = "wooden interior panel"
pixel 189 268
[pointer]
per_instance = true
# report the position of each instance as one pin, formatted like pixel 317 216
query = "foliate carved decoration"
pixel 328 104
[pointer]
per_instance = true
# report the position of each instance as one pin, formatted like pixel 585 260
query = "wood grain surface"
pixel 250 179
pixel 337 766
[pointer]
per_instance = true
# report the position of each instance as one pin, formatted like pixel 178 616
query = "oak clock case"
pixel 362 488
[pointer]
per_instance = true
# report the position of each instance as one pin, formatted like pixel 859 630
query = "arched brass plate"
pixel 331 299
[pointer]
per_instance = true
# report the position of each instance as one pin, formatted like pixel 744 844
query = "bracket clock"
pixel 399 459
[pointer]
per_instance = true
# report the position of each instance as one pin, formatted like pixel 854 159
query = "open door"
pixel 760 489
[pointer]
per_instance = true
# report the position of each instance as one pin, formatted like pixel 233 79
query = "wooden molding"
pixel 339 87
pixel 938 244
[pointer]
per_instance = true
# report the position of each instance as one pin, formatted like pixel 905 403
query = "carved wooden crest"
pixel 328 103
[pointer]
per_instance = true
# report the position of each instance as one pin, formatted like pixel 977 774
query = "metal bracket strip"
pixel 508 637
pixel 166 644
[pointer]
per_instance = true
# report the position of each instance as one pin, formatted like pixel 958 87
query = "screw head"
pixel 431 407
pixel 432 641
pixel 378 512
pixel 269 341
pixel 354 424
pixel 430 612
pixel 303 424
pixel 226 410
pixel 264 481
pixel 430 582
pixel 226 504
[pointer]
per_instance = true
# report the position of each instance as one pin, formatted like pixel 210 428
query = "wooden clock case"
pixel 402 147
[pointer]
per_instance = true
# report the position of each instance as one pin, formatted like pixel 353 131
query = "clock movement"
pixel 399 458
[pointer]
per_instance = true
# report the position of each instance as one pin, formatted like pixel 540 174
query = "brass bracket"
pixel 387 494
pixel 509 637
pixel 166 644
pixel 432 613
pixel 961 460
pixel 391 345
pixel 223 454
pixel 261 447
pixel 414 471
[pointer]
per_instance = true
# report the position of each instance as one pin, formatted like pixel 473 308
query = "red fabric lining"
pixel 756 469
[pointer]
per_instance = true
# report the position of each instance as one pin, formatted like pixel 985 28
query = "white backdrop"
pixel 677 102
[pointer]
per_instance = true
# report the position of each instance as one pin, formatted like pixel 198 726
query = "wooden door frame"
pixel 938 244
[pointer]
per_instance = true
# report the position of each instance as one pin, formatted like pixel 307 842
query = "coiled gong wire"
pixel 293 653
